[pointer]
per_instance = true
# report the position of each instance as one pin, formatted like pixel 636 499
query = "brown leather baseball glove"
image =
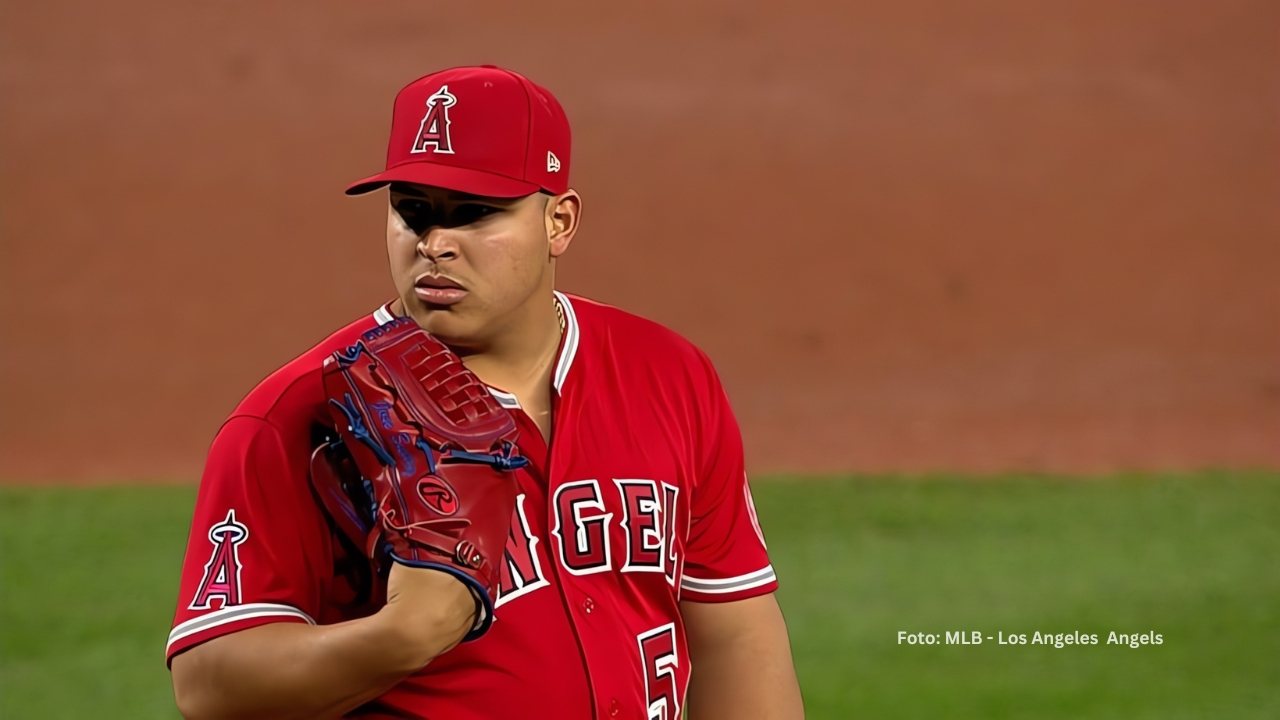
pixel 436 454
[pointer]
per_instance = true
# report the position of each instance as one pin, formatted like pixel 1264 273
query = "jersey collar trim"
pixel 383 314
pixel 569 346
pixel 505 399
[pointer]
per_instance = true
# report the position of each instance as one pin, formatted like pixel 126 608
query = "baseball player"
pixel 613 567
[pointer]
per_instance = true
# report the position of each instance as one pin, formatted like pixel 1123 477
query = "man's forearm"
pixel 289 670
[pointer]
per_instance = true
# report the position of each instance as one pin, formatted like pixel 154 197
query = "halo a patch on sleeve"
pixel 221 581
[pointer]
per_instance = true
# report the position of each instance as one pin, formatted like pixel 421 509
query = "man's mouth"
pixel 437 281
pixel 438 290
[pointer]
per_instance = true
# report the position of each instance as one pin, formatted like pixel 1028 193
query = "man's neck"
pixel 522 358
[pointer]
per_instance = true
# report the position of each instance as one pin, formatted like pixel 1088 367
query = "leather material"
pixel 437 452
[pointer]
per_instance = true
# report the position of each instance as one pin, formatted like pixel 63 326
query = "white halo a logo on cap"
pixel 433 131
pixel 553 162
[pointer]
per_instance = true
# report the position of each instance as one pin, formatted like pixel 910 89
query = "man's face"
pixel 468 267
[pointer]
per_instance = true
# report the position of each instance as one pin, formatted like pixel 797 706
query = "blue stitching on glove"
pixel 426 450
pixel 349 356
pixel 498 461
pixel 356 425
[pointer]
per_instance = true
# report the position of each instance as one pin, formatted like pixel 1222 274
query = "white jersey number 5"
pixel 659 657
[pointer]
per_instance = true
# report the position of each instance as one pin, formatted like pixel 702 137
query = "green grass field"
pixel 87 583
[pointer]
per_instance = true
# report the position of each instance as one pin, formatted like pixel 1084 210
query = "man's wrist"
pixel 427 613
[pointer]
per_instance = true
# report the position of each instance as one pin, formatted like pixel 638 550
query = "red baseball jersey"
pixel 639 501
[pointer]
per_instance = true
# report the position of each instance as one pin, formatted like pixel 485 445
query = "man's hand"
pixel 429 611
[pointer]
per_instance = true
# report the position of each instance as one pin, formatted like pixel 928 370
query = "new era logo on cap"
pixel 479 130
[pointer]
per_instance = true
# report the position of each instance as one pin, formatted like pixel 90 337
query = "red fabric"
pixel 480 130
pixel 639 502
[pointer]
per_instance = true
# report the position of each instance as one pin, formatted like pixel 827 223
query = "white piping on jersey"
pixel 235 613
pixel 567 353
pixel 717 586
pixel 383 314
pixel 570 348
pixel 505 399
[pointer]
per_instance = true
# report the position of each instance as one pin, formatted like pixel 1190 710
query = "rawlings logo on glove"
pixel 434 453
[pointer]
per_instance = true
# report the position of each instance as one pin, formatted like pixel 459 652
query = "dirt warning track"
pixel 913 235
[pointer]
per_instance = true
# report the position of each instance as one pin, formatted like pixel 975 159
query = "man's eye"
pixel 471 212
pixel 419 215
pixel 415 214
pixel 412 207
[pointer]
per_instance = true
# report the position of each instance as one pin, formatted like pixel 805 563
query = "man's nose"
pixel 438 244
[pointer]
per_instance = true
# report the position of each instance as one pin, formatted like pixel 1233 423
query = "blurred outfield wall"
pixel 913 234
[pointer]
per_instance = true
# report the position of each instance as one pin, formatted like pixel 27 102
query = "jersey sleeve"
pixel 725 554
pixel 252 552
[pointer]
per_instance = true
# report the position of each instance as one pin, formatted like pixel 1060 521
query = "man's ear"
pixel 562 216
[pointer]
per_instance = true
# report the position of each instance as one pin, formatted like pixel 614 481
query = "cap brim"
pixel 472 182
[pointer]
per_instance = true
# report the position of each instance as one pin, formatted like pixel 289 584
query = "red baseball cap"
pixel 479 130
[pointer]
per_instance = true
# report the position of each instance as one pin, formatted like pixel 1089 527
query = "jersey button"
pixel 613 708
pixel 588 605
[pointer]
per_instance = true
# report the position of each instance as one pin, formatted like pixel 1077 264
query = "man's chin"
pixel 444 323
